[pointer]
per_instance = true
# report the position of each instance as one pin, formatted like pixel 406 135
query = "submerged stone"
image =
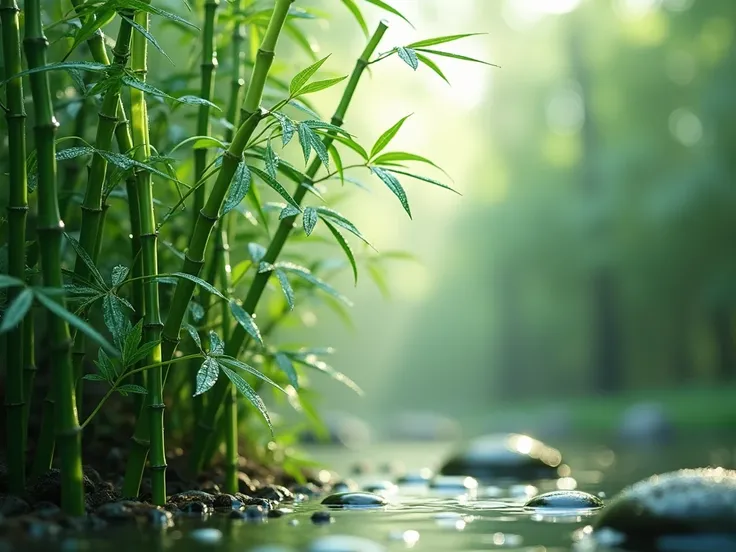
pixel 227 502
pixel 682 510
pixel 321 518
pixel 505 456
pixel 192 496
pixel 277 493
pixel 11 505
pixel 196 508
pixel 355 500
pixel 345 543
pixel 557 501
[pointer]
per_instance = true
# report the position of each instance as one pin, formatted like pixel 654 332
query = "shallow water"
pixel 441 521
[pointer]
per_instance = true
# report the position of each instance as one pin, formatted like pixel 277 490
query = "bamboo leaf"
pixel 146 7
pixel 246 321
pixel 320 149
pixel 424 179
pixel 338 162
pixel 217 346
pixel 119 274
pixel 82 254
pixel 305 274
pixel 238 189
pixel 440 40
pixel 274 185
pixel 199 281
pixel 394 185
pixel 340 220
pixel 287 127
pixel 207 376
pixel 321 125
pixel 355 10
pixel 387 136
pixel 148 36
pixel 16 312
pixel 384 6
pixel 105 366
pixel 94 377
pixel 455 56
pixel 240 365
pixel 194 334
pixel 195 100
pixel 256 252
pixel 432 65
pixel 320 85
pixel 286 288
pixel 9 281
pixel 325 368
pixel 248 392
pixel 287 367
pixel 132 388
pixel 75 321
pixel 271 161
pixel 102 17
pixel 408 56
pixel 73 153
pixel 304 140
pixel 142 352
pixel 398 156
pixel 303 76
pixel 342 242
pixel 132 340
pixel 115 319
pixel 309 220
pixel 353 145
pixel 287 212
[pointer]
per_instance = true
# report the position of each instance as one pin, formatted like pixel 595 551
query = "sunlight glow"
pixel 523 14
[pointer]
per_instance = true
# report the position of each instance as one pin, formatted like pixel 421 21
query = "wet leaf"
pixel 207 376
pixel 194 334
pixel 320 85
pixel 247 391
pixel 440 40
pixel 17 310
pixel 303 76
pixel 287 367
pixel 246 321
pixel 394 185
pixel 119 274
pixel 132 388
pixel 273 184
pixel 387 136
pixel 238 188
pixel 271 161
pixel 408 56
pixel 309 220
pixel 217 346
pixel 345 246
pixel 85 258
pixel 286 288
pixel 114 319
pixel 455 56
pixel 105 366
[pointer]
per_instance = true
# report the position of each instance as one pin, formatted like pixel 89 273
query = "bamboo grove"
pixel 157 279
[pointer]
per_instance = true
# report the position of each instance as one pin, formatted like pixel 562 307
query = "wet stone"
pixel 47 487
pixel 117 511
pixel 276 493
pixel 251 513
pixel 682 510
pixel 279 512
pixel 11 505
pixel 309 490
pixel 159 519
pixel 186 497
pixel 228 502
pixel 355 500
pixel 345 486
pixel 262 502
pixel 505 456
pixel 98 498
pixel 563 501
pixel 245 485
pixel 322 518
pixel 93 475
pixel 196 508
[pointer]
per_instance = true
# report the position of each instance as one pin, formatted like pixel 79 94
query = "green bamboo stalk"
pixel 238 70
pixel 49 228
pixel 91 232
pixel 149 237
pixel 239 337
pixel 72 172
pixel 15 393
pixel 209 215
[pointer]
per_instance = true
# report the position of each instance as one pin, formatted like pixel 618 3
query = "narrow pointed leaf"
pixel 115 319
pixel 387 136
pixel 341 221
pixel 455 56
pixel 194 334
pixel 384 6
pixel 424 179
pixel 248 392
pixel 236 364
pixel 330 371
pixel 246 321
pixel 287 127
pixel 274 185
pixel 408 56
pixel 82 254
pixel 287 367
pixel 207 376
pixel 149 37
pixel 394 185
pixel 132 388
pixel 286 288
pixel 65 65
pixel 345 246
pixel 142 352
pixel 238 189
pixel 335 155
pixel 398 156
pixel 217 346
pixel 94 377
pixel 321 125
pixel 200 282
pixel 132 340
pixel 9 281
pixel 302 77
pixel 105 366
pixel 312 279
pixel 320 85
pixel 440 40
pixel 432 65
pixel 309 220
pixel 271 161
pixel 355 10
pixel 353 145
pixel 320 150
pixel 16 312
pixel 77 322
pixel 305 141
pixel 119 274
pixel 288 211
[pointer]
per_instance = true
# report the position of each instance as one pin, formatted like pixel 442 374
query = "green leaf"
pixel 246 321
pixel 148 36
pixel 387 136
pixel 75 321
pixel 254 199
pixel 271 160
pixel 440 40
pixel 199 281
pixel 194 334
pixel 207 376
pixel 82 254
pixel 286 288
pixel 16 312
pixel 342 242
pixel 353 145
pixel 287 367
pixel 287 127
pixel 340 220
pixel 321 125
pixel 142 352
pixel 330 371
pixel 256 252
pixel 195 100
pixel 338 162
pixel 274 185
pixel 93 377
pixel 455 56
pixel 287 212
pixel 384 6
pixel 432 65
pixel 248 392
pixel 73 153
pixel 9 281
pixel 408 56
pixel 195 309
pixel 309 220
pixel 320 149
pixel 304 140
pixel 398 156
pixel 132 340
pixel 132 388
pixel 147 7
pixel 115 319
pixel 105 366
pixel 217 346
pixel 355 10
pixel 320 85
pixel 240 365
pixel 119 274
pixel 238 188
pixel 102 16
pixel 305 274
pixel 379 278
pixel 205 142
pixel 424 179
pixel 303 76
pixel 393 184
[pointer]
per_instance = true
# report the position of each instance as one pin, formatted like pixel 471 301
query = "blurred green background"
pixel 590 262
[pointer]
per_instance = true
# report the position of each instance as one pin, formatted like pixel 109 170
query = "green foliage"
pixel 250 161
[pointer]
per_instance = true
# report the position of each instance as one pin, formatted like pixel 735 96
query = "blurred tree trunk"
pixel 607 376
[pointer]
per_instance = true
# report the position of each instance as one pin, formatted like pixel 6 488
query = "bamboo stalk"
pixel 15 393
pixel 49 228
pixel 209 215
pixel 149 237
pixel 239 337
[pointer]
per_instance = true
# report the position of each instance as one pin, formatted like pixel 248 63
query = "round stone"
pixel 354 500
pixel 682 510
pixel 381 487
pixel 563 501
pixel 505 456
pixel 321 518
